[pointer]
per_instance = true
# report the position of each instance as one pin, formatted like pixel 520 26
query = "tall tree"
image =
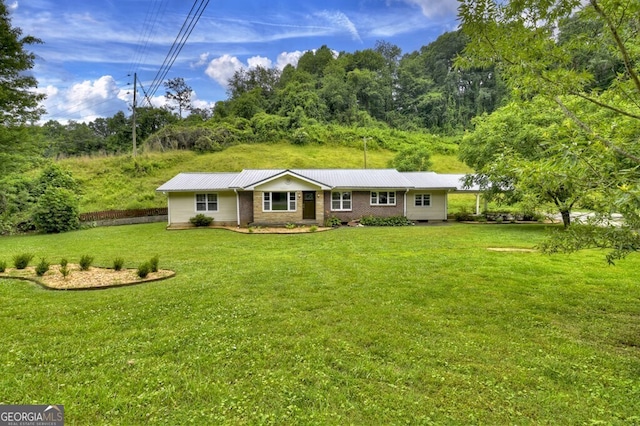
pixel 514 157
pixel 521 39
pixel 180 93
pixel 19 104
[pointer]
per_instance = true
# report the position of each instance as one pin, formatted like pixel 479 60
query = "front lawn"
pixel 413 325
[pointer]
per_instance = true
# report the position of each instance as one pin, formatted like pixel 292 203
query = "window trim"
pixel 342 201
pixel 207 201
pixel 267 201
pixel 391 195
pixel 420 196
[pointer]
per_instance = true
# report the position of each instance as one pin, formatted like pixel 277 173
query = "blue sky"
pixel 92 48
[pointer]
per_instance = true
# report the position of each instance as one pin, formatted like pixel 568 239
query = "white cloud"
pixel 203 58
pixel 222 69
pixel 435 8
pixel 85 101
pixel 288 58
pixel 341 21
pixel 13 6
pixel 259 61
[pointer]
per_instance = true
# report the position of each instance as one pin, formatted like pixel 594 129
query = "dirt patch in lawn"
pixel 512 249
pixel 94 278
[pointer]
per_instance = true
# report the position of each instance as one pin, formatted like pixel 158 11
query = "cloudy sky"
pixel 91 49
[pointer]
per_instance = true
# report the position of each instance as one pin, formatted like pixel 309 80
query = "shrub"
pixel 153 263
pixel 64 270
pixel 144 269
pixel 56 211
pixel 21 261
pixel 201 220
pixel 64 262
pixel 385 221
pixel 313 228
pixel 85 262
pixel 118 263
pixel 464 216
pixel 332 221
pixel 290 225
pixel 3 265
pixel 42 267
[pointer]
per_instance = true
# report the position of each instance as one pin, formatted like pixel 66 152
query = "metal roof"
pixel 325 178
pixel 431 180
pixel 198 182
pixel 251 177
pixel 357 178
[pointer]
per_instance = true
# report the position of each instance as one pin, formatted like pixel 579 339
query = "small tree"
pixel 179 92
pixel 57 211
pixel 412 159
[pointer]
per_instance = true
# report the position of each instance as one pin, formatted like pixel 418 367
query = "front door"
pixel 309 205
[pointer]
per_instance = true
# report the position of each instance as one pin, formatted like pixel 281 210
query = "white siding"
pixel 436 211
pixel 182 207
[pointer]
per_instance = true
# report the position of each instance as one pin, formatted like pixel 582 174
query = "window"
pixel 207 202
pixel 341 201
pixel 279 201
pixel 423 200
pixel 383 198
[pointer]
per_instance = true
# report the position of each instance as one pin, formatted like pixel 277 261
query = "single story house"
pixel 309 196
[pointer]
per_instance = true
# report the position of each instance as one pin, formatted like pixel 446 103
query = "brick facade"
pixel 284 217
pixel 361 206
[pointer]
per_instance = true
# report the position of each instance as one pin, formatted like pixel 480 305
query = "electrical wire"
pixel 183 35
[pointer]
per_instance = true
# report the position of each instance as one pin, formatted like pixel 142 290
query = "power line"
pixel 183 35
pixel 149 30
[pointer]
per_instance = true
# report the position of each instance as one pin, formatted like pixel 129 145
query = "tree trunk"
pixel 566 218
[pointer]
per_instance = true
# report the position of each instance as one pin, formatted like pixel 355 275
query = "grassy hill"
pixel 122 182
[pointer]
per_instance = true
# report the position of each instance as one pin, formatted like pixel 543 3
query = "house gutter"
pixel 237 207
pixel 168 209
pixel 406 194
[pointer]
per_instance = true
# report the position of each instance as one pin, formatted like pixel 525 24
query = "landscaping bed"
pixel 77 279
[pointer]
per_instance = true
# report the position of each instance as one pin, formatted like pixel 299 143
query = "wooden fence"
pixel 122 214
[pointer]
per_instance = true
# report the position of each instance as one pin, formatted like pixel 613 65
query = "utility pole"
pixel 365 151
pixel 133 115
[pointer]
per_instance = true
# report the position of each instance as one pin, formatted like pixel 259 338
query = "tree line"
pixel 419 91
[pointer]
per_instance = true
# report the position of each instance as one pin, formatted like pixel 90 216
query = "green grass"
pixel 120 182
pixel 415 325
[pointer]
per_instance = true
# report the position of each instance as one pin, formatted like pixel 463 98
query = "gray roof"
pixel 198 182
pixel 327 178
pixel 431 180
pixel 357 178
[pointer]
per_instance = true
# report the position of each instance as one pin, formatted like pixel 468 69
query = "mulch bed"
pixel 94 278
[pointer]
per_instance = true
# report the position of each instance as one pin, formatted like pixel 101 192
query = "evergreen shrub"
pixel 42 267
pixel 201 220
pixel 21 261
pixel 85 262
pixel 143 270
pixel 385 221
pixel 118 263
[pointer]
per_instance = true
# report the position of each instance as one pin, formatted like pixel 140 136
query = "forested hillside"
pixel 375 88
